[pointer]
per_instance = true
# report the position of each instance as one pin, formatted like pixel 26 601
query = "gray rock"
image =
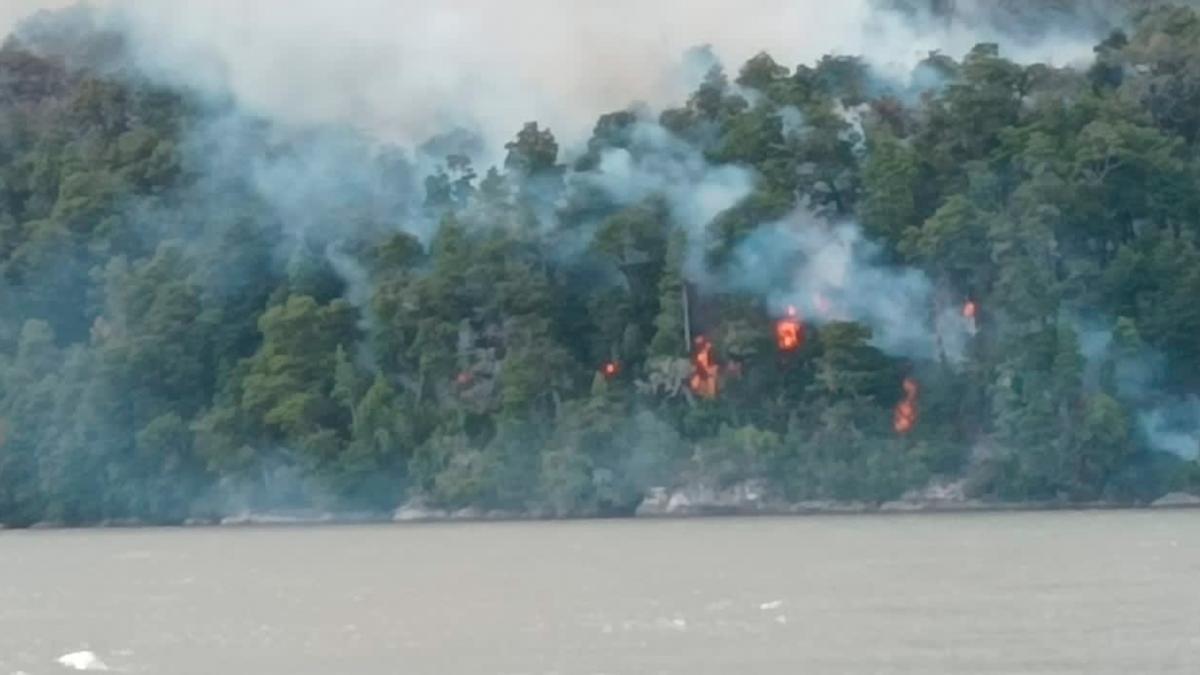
pixel 938 492
pixel 46 525
pixel 655 502
pixel 679 503
pixel 698 499
pixel 1176 499
pixel 277 518
pixel 902 506
pixel 416 511
pixel 468 513
pixel 828 506
pixel 122 522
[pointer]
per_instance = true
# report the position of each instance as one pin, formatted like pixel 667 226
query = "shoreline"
pixel 407 515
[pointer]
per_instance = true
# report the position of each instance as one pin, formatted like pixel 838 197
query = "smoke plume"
pixel 377 72
pixel 406 70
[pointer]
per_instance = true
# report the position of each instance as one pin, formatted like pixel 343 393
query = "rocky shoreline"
pixel 701 503
pixel 660 503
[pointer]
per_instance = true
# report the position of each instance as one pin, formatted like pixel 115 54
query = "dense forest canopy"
pixel 818 279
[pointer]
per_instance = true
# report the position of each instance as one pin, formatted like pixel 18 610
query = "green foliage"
pixel 890 176
pixel 176 342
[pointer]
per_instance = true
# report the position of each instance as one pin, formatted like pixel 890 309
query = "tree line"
pixel 173 345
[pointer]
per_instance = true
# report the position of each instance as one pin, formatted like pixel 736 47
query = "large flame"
pixel 905 416
pixel 789 331
pixel 705 371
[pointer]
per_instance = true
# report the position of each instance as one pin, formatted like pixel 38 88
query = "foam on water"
pixel 83 660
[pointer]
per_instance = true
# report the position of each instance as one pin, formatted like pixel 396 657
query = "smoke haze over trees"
pixel 246 270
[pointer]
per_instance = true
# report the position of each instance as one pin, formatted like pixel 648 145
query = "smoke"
pixel 831 273
pixel 405 70
pixel 656 163
pixel 13 11
pixel 1167 422
pixel 1174 427
pixel 1135 370
pixel 340 87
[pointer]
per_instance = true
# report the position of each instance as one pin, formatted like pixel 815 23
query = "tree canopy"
pixel 178 340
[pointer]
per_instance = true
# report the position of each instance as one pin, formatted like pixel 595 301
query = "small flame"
pixel 905 416
pixel 464 378
pixel 970 309
pixel 789 331
pixel 610 369
pixel 705 370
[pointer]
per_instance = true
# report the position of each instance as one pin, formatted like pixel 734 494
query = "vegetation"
pixel 174 344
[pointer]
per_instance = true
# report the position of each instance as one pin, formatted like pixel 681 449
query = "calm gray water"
pixel 979 593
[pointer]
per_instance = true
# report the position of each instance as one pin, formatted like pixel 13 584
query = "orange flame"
pixel 970 309
pixel 905 416
pixel 610 369
pixel 464 378
pixel 789 331
pixel 705 370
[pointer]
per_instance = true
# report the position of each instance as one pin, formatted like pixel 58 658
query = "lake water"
pixel 1092 592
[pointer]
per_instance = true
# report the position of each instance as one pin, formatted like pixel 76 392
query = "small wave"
pixel 82 661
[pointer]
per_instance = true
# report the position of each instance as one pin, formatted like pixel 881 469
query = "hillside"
pixel 811 278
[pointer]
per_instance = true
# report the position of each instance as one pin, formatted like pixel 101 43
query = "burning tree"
pixel 705 371
pixel 905 416
pixel 789 331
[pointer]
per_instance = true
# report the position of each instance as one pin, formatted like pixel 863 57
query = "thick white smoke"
pixel 1174 427
pixel 407 69
pixel 13 11
pixel 657 163
pixel 831 273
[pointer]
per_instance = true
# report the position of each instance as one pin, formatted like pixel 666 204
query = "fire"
pixel 610 369
pixel 705 370
pixel 970 311
pixel 905 416
pixel 789 331
pixel 464 378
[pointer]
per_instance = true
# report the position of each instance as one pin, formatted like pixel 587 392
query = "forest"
pixel 815 279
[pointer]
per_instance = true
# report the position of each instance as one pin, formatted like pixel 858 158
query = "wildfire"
pixel 610 369
pixel 705 370
pixel 789 331
pixel 464 378
pixel 970 311
pixel 905 416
